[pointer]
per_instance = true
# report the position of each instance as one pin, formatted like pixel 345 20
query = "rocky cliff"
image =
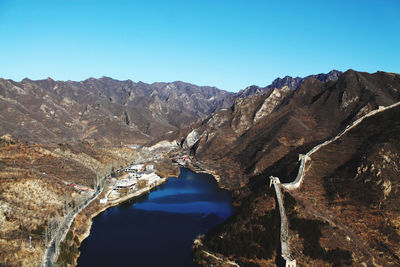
pixel 291 82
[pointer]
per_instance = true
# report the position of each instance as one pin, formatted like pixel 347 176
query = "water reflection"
pixel 157 229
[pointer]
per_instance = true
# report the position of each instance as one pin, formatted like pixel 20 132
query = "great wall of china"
pixel 285 247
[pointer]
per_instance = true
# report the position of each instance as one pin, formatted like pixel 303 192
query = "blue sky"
pixel 228 44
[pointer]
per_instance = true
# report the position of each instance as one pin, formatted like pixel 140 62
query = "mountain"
pixel 260 130
pixel 350 189
pixel 344 214
pixel 346 211
pixel 290 82
pixel 279 83
pixel 54 133
pixel 100 110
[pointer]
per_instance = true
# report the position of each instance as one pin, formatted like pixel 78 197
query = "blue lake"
pixel 157 229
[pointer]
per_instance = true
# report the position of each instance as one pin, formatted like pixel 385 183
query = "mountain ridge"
pixel 138 109
pixel 291 82
pixel 283 119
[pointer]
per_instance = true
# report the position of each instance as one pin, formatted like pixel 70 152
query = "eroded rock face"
pixel 289 82
pixel 243 114
pixel 271 103
pixel 347 100
pixel 218 119
pixel 164 145
pixel 191 139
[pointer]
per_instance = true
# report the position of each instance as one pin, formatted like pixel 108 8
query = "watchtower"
pixel 302 156
pixel 290 263
pixel 273 180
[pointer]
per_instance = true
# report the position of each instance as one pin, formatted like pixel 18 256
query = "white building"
pixel 125 184
pixel 149 167
pixel 134 168
pixel 151 177
pixel 134 175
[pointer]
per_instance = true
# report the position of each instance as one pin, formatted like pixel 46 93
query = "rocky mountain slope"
pixel 290 82
pixel 287 82
pixel 351 187
pixel 261 130
pixel 109 111
pixel 55 133
pixel 101 110
pixel 346 213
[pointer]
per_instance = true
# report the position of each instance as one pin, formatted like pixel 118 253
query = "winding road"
pixel 51 251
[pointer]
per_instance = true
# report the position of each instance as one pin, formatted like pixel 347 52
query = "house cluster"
pixel 136 177
pixel 182 159
pixel 134 168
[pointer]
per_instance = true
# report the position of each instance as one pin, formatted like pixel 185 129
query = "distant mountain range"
pixel 109 111
pixel 101 110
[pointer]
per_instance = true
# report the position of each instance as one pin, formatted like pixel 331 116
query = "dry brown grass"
pixel 33 190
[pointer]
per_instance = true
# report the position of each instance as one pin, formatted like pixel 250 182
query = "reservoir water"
pixel 157 229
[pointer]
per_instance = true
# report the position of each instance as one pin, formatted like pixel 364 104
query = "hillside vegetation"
pixel 34 189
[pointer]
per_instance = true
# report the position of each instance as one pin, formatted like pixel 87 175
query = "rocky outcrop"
pixel 289 82
pixel 271 103
pixel 191 139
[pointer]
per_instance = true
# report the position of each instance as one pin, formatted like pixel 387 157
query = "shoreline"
pixel 81 226
pixel 195 167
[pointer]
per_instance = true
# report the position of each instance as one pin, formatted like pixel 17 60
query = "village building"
pixel 151 178
pixel 134 168
pixel 125 184
pixel 149 167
